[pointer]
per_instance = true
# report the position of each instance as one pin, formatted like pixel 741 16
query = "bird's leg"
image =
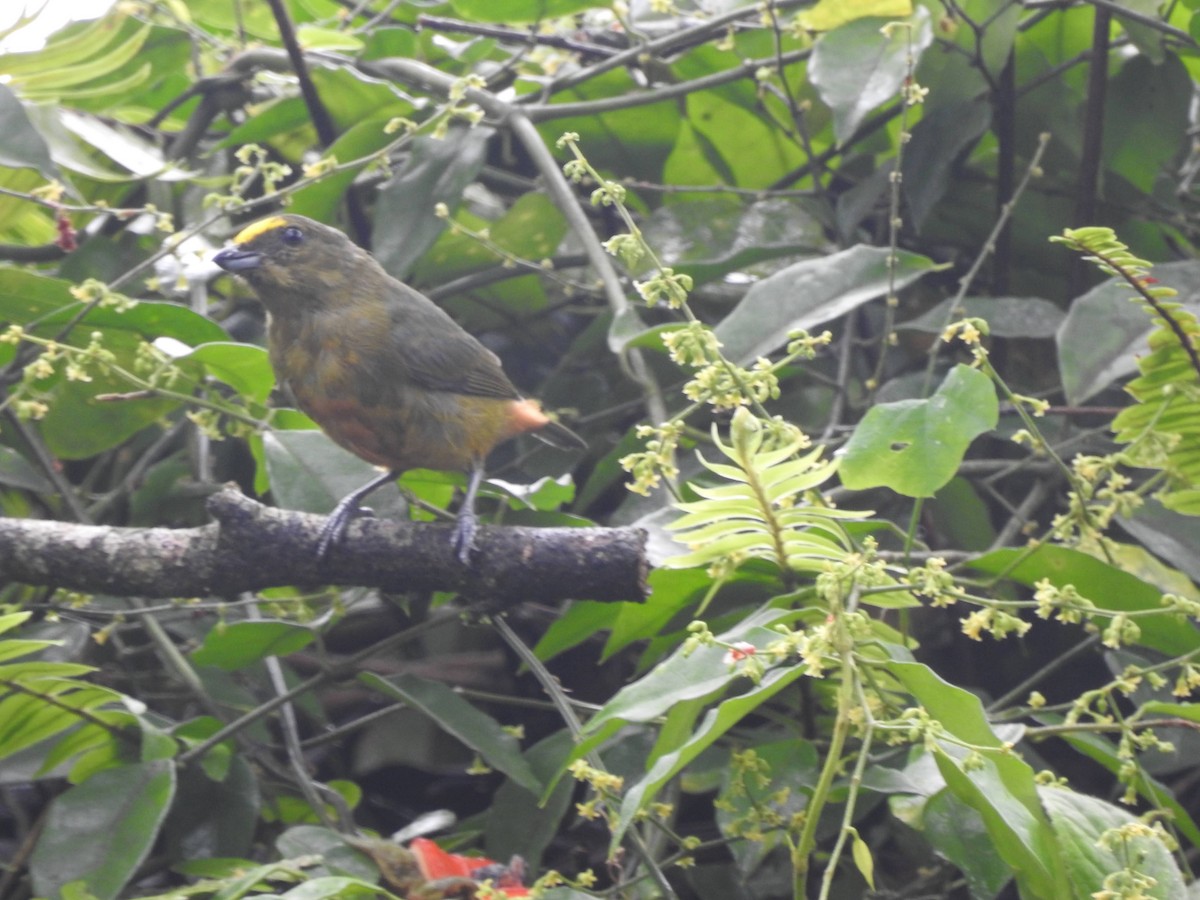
pixel 464 528
pixel 347 508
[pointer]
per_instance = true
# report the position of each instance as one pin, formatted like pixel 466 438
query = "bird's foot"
pixel 463 539
pixel 335 526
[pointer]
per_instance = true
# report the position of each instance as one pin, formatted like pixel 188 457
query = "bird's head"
pixel 292 262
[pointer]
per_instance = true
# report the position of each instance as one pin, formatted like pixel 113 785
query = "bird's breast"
pixel 361 397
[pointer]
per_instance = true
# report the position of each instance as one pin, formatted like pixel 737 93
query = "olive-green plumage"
pixel 382 369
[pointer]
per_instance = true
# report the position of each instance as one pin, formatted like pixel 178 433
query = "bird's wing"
pixel 454 361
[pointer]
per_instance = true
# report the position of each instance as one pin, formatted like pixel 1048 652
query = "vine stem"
pixel 856 777
pixel 803 851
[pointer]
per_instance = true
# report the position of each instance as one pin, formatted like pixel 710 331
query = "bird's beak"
pixel 238 260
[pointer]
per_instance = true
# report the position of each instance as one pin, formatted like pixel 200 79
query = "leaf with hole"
pixel 914 447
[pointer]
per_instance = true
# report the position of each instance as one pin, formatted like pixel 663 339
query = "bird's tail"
pixel 558 435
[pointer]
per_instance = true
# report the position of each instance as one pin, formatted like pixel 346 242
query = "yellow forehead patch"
pixel 262 226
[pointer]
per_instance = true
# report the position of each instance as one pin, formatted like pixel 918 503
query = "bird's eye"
pixel 293 236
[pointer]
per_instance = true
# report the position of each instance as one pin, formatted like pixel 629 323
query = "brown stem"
pixel 251 547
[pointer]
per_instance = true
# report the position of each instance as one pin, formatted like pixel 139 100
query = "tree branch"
pixel 251 547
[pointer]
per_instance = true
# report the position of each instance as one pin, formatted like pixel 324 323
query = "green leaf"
pixel 859 66
pixel 517 10
pixel 1105 331
pixel 1079 821
pixel 459 718
pixel 513 803
pixel 309 472
pixel 244 367
pixel 937 142
pixel 102 830
pixel 863 860
pixel 914 447
pixel 50 81
pixel 710 237
pixel 810 293
pixel 827 14
pixel 702 674
pixel 437 171
pixel 1109 587
pixel 1151 103
pixel 1007 317
pixel 1001 787
pixel 23 146
pixel 956 831
pixel 16 471
pixel 239 644
pixel 715 723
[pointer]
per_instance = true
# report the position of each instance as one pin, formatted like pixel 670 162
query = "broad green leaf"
pixel 956 831
pixel 1109 587
pixel 244 367
pixel 861 65
pixel 702 674
pixel 1148 787
pixel 707 238
pixel 914 447
pixel 238 644
pixel 102 830
pixel 1079 822
pixel 211 817
pixel 512 803
pixel 1021 838
pixel 727 127
pixel 437 171
pixel 1151 103
pixel 459 718
pixel 1007 317
pixel 715 723
pixel 22 147
pixel 828 14
pixel 1105 330
pixel 811 293
pixel 937 142
pixel 16 471
pixel 517 10
pixel 77 425
pixel 1001 789
pixel 309 472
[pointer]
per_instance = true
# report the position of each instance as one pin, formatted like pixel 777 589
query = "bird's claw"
pixel 463 539
pixel 335 526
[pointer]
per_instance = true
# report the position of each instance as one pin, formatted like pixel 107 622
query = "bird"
pixel 381 368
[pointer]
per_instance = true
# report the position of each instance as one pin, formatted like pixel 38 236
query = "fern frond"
pixel 43 699
pixel 760 510
pixel 1163 428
